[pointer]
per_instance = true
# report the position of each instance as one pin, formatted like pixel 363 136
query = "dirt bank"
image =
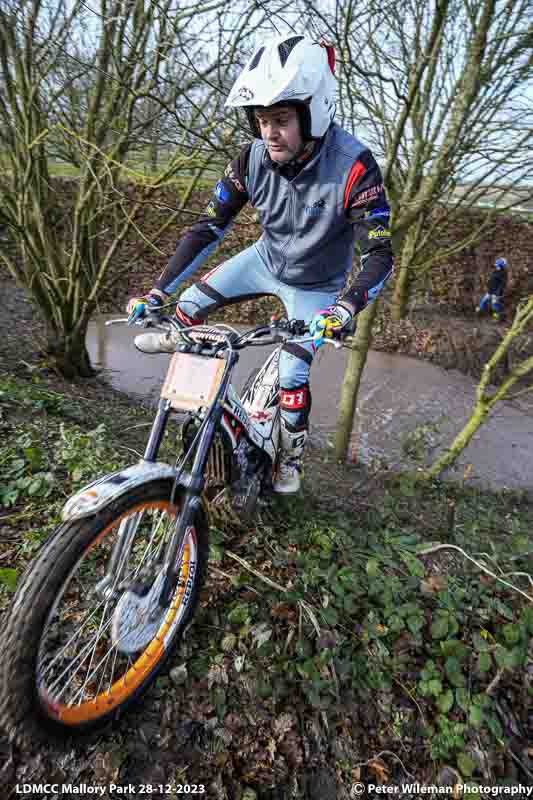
pixel 450 339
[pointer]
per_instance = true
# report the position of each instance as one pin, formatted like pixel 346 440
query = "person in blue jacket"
pixel 493 297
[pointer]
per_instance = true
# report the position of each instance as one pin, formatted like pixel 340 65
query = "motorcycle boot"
pixel 290 470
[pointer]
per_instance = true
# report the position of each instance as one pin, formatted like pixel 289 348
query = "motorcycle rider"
pixel 318 191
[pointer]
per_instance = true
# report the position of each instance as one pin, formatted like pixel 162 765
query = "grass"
pixel 140 163
pixel 391 618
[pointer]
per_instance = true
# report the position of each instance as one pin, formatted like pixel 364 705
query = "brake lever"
pixel 142 322
pixel 120 321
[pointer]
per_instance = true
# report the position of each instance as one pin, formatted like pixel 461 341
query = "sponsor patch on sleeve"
pixel 384 213
pixel 379 233
pixel 294 399
pixel 366 196
pixel 221 193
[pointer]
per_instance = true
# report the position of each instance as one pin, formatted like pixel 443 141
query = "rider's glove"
pixel 329 322
pixel 136 307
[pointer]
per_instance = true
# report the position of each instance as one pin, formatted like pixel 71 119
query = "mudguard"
pixel 100 492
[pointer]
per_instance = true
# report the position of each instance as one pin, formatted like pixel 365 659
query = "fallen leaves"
pixel 283 724
pixel 284 611
pixel 379 770
pixel 217 676
pixel 433 584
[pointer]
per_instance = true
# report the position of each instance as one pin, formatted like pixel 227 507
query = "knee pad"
pixel 295 405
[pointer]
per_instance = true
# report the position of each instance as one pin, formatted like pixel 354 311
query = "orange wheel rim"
pixel 125 685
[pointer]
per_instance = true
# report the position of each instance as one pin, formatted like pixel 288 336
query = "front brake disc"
pixel 137 618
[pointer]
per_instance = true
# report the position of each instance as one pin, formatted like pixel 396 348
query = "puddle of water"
pixel 397 395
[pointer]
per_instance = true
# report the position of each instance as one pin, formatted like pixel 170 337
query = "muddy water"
pixel 399 397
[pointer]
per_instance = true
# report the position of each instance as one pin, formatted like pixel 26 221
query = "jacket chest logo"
pixel 316 209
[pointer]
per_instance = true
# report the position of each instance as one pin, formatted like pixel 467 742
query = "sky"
pixel 290 21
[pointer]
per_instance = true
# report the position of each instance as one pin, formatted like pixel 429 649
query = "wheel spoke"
pixel 112 649
pixel 111 681
pixel 74 635
pixel 131 525
pixel 149 545
pixel 85 653
pixel 94 650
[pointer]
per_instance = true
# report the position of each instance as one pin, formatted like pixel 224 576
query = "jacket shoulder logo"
pixel 221 192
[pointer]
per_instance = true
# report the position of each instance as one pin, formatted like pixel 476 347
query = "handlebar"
pixel 278 331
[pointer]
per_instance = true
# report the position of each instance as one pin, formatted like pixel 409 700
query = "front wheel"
pixel 75 656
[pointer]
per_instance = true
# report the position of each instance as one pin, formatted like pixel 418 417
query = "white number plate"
pixel 192 381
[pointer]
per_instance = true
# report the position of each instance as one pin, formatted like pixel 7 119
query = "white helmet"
pixel 292 70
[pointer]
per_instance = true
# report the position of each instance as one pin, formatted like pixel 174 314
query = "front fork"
pixel 109 584
pixel 191 487
pixel 192 484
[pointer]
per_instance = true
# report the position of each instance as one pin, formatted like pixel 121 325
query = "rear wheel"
pixel 74 657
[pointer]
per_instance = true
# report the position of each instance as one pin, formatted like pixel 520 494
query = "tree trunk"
pixel 69 355
pixel 486 398
pixel 403 281
pixel 401 292
pixel 352 379
pixel 154 155
pixel 462 439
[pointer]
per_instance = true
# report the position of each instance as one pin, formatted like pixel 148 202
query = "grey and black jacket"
pixel 312 214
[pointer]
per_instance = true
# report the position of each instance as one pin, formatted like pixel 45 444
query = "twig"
pixel 520 393
pixel 520 575
pixel 386 753
pixel 311 614
pixel 495 681
pixel 411 697
pixel 490 558
pixel 436 548
pixel 18 515
pixel 221 572
pixel 335 681
pixel 303 605
pixel 132 427
pixel 129 449
pixel 255 572
pixel 520 763
pixel 231 577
